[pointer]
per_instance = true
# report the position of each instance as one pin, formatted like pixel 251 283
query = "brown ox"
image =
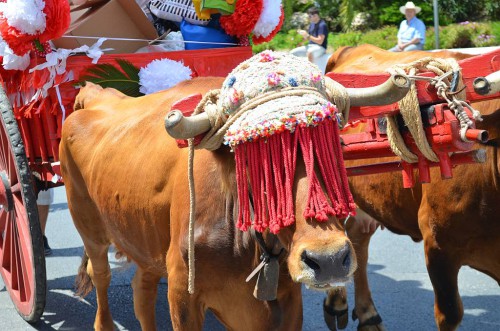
pixel 457 218
pixel 126 183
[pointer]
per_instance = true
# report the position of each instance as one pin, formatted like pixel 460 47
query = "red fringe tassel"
pixel 268 166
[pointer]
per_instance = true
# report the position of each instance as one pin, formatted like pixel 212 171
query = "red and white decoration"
pixel 28 25
pixel 261 19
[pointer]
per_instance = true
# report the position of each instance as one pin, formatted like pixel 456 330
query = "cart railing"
pixel 40 120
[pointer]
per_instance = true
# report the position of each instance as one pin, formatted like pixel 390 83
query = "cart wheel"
pixel 22 258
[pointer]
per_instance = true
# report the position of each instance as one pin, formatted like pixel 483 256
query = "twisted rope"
pixel 220 123
pixel 410 108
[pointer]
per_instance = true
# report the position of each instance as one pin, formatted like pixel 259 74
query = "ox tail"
pixel 83 282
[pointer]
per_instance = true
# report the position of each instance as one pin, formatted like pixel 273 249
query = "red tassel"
pixel 277 172
pixel 326 165
pixel 256 182
pixel 289 143
pixel 244 221
pixel 317 206
pixel 271 171
pixel 334 134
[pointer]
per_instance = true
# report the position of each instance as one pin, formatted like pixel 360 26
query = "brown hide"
pixel 457 218
pixel 371 59
pixel 126 184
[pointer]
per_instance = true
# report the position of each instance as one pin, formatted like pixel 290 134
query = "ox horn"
pixel 394 89
pixel 180 127
pixel 391 91
pixel 487 85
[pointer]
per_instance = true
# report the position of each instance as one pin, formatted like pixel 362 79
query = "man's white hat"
pixel 409 5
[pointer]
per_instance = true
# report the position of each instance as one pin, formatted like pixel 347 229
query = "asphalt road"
pixel 400 286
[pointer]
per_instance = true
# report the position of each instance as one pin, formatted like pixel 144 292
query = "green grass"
pixel 451 36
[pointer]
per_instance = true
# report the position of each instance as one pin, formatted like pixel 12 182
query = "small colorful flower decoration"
pixel 28 25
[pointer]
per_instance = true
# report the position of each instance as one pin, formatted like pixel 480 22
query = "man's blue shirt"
pixel 317 29
pixel 416 29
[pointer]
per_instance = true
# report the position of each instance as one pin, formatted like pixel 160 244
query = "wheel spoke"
pixel 3 223
pixel 24 245
pixel 4 147
pixel 20 265
pixel 7 245
pixel 13 254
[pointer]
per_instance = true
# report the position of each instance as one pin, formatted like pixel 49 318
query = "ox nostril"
pixel 347 260
pixel 329 266
pixel 308 259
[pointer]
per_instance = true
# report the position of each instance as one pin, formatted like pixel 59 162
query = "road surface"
pixel 400 286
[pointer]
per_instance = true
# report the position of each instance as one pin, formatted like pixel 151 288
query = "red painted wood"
pixel 407 169
pixel 187 104
pixel 477 66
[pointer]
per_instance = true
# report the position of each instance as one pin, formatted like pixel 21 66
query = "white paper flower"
pixel 161 75
pixel 269 18
pixel 27 16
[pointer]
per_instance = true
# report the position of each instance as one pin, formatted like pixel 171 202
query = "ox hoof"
pixel 335 319
pixel 374 323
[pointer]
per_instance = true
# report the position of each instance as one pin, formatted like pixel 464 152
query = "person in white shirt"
pixel 411 33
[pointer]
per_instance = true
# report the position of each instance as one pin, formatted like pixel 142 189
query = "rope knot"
pixel 448 74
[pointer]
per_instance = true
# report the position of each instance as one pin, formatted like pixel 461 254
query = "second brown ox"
pixel 457 218
pixel 126 183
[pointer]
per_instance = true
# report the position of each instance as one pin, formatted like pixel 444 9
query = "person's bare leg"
pixel 43 215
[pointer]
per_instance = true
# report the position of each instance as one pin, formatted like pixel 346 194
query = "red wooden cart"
pixel 30 136
pixel 29 158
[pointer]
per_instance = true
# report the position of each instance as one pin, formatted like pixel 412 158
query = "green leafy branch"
pixel 125 78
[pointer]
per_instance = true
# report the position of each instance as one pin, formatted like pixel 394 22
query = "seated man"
pixel 317 36
pixel 411 34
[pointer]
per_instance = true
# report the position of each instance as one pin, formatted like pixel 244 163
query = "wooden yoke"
pixel 441 125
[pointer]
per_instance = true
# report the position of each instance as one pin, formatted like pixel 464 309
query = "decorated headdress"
pixel 267 107
pixel 289 108
pixel 28 25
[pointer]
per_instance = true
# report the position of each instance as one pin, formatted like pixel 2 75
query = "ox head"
pixel 289 169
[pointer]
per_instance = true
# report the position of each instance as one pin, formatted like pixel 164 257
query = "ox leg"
pixel 335 309
pixel 145 286
pixel 443 272
pixel 100 273
pixel 360 230
pixel 186 313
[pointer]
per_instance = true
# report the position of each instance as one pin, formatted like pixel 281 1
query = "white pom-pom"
pixel 25 15
pixel 269 18
pixel 161 75
pixel 12 61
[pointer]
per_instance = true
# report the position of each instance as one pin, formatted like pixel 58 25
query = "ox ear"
pixel 87 93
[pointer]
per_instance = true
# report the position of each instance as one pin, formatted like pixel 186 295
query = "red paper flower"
pixel 243 20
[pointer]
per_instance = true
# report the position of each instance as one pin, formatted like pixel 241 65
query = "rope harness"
pixel 449 86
